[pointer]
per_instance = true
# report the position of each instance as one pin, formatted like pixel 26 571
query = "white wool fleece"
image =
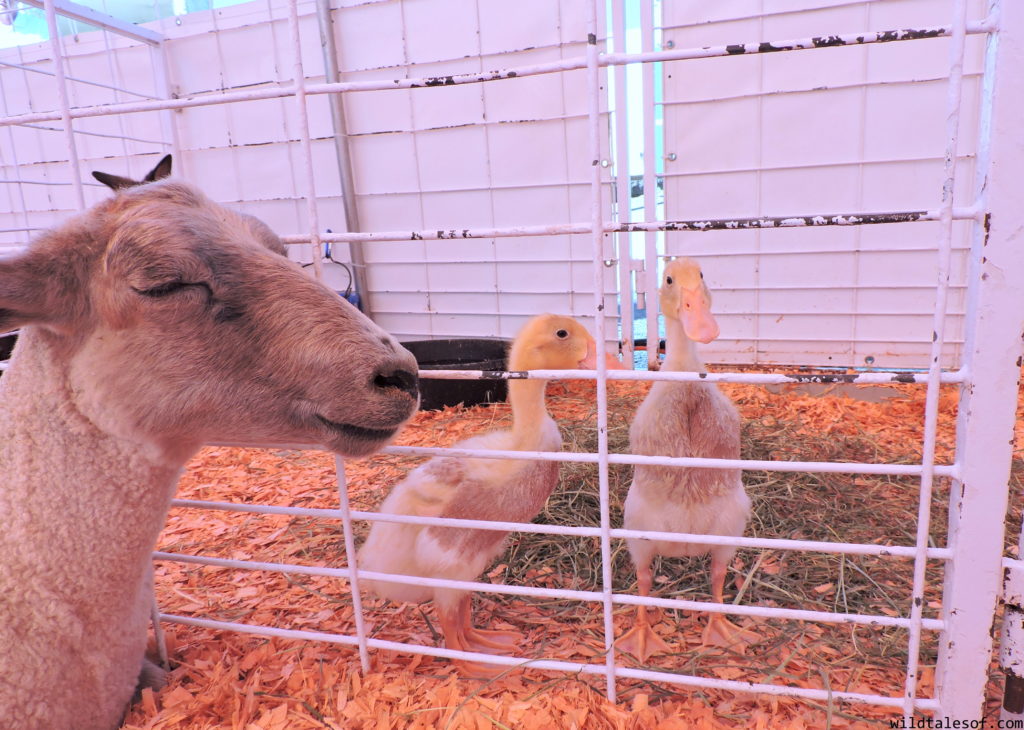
pixel 80 513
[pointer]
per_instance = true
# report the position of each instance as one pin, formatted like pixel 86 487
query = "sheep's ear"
pixel 114 182
pixel 31 293
pixel 162 170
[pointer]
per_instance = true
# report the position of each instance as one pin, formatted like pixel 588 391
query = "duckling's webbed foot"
pixel 641 641
pixel 476 670
pixel 460 634
pixel 722 632
pixel 486 640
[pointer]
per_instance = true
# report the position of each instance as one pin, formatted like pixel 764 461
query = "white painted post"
pixel 305 143
pixel 623 185
pixel 651 275
pixel 65 106
pixel 353 562
pixel 954 106
pixel 995 317
pixel 597 240
pixel 164 86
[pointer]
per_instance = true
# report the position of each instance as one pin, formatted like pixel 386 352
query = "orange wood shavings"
pixel 246 682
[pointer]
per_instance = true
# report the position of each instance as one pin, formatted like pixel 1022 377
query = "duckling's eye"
pixel 668 280
pixel 562 334
pixel 702 274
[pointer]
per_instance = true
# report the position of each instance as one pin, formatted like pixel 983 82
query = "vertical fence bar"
pixel 116 80
pixel 158 632
pixel 931 413
pixel 759 196
pixel 992 352
pixel 597 238
pixel 164 88
pixel 299 85
pixel 62 98
pixel 623 188
pixel 650 185
pixel 353 566
pixel 314 228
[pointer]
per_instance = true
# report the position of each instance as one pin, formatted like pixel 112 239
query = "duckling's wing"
pixel 479 489
pixel 393 547
pixel 518 498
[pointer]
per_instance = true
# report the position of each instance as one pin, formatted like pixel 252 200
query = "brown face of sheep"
pixel 183 327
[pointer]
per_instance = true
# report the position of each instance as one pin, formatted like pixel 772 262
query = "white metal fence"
pixel 986 375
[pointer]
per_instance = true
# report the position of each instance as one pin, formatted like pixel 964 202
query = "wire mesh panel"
pixel 288 101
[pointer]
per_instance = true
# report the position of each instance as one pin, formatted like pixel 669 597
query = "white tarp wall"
pixel 509 153
pixel 834 130
pixel 846 129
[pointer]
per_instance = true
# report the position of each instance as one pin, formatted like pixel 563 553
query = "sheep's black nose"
pixel 405 381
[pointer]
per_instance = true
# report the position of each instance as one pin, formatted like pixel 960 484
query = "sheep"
pixel 151 324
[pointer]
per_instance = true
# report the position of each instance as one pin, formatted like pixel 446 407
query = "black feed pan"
pixel 464 354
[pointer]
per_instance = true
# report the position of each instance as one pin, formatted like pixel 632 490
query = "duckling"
pixel 481 489
pixel 685 419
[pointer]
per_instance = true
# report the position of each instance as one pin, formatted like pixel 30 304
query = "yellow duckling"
pixel 479 489
pixel 685 419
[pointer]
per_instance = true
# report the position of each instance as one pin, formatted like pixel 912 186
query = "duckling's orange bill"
pixel 590 361
pixel 695 314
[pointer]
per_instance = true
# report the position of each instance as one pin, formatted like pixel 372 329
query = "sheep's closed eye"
pixel 162 290
pixel 168 288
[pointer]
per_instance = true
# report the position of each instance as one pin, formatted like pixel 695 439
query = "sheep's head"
pixel 181 323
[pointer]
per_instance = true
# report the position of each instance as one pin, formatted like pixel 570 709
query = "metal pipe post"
pixel 341 151
pixel 987 412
